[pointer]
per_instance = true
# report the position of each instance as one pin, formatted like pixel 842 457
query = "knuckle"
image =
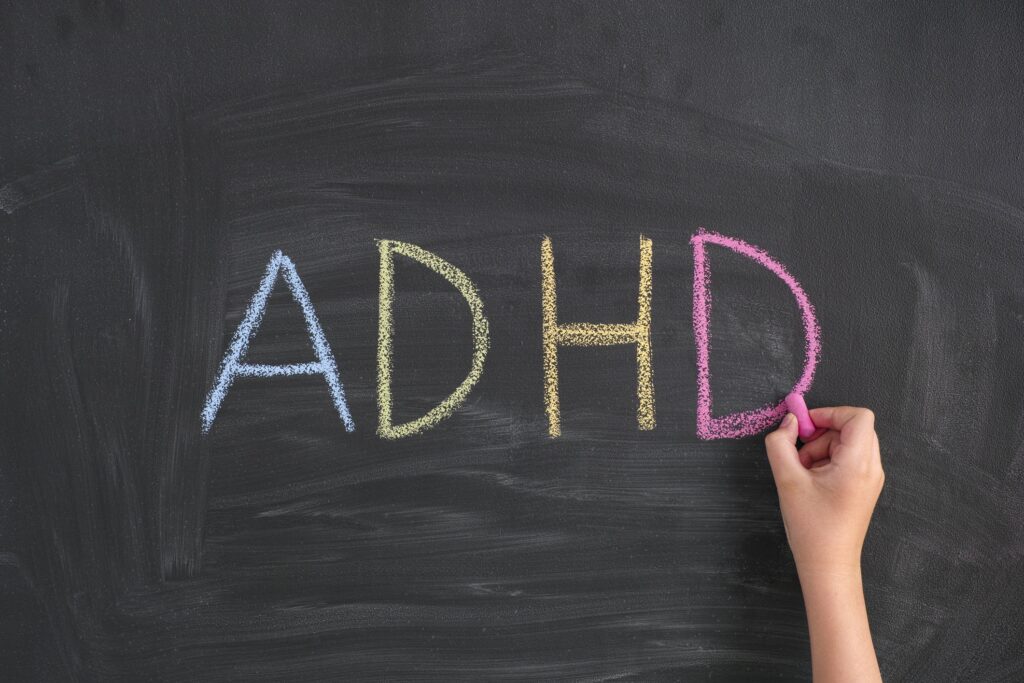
pixel 868 415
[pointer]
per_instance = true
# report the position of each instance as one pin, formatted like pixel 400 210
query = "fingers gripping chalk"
pixel 795 404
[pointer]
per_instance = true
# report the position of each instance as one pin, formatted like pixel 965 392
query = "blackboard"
pixel 155 158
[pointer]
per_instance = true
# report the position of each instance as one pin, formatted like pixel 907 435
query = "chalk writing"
pixel 745 423
pixel 594 334
pixel 233 367
pixel 385 334
pixel 554 335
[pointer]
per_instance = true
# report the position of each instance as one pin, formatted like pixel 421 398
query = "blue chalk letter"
pixel 233 366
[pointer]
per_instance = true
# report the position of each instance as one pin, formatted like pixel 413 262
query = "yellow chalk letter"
pixel 385 333
pixel 593 334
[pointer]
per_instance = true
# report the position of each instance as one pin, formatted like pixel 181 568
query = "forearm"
pixel 841 647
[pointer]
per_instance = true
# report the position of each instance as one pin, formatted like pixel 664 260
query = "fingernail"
pixel 788 420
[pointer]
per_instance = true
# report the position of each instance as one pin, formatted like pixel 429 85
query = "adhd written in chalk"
pixel 554 333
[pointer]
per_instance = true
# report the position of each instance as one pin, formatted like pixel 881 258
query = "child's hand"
pixel 827 489
pixel 827 492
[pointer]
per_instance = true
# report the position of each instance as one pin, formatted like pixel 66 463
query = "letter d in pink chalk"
pixel 746 423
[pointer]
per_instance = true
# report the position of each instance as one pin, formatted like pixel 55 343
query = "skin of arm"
pixel 827 494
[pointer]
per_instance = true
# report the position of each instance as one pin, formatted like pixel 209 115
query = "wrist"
pixel 835 594
pixel 833 574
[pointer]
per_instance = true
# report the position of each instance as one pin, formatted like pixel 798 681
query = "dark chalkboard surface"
pixel 156 155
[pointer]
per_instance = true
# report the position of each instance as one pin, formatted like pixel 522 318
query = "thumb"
pixel 782 454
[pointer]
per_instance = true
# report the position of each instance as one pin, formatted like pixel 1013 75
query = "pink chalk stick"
pixel 805 425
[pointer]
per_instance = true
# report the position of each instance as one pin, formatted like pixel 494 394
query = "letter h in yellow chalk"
pixel 595 334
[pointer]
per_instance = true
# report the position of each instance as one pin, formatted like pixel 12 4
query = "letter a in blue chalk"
pixel 234 367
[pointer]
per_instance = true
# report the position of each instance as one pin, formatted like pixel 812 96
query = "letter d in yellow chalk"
pixel 385 335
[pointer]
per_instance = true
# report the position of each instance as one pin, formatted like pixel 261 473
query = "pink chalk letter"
pixel 749 422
